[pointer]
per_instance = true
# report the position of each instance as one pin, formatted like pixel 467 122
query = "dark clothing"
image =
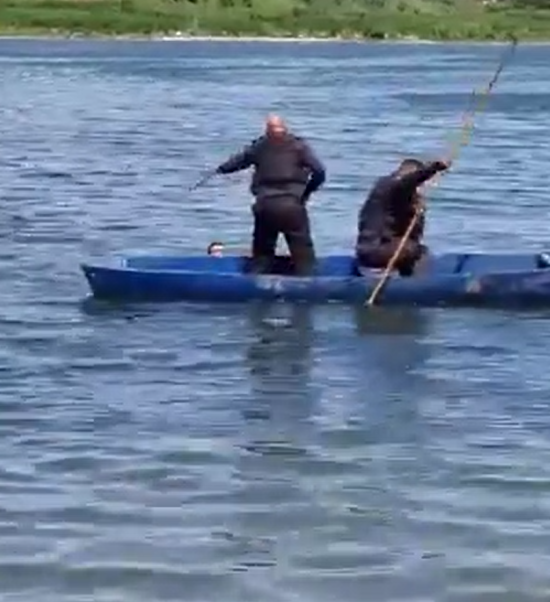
pixel 286 217
pixel 386 215
pixel 378 255
pixel 286 173
pixel 283 167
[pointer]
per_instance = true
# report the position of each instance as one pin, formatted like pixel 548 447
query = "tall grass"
pixel 378 19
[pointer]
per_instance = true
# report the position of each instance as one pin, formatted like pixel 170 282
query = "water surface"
pixel 259 454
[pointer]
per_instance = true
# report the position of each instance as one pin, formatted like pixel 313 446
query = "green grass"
pixel 376 19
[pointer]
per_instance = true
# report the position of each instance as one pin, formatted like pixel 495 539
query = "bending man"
pixel 387 213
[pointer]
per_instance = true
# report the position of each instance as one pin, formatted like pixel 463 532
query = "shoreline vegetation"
pixel 280 20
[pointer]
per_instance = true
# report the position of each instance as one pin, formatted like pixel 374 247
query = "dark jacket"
pixel 390 206
pixel 285 167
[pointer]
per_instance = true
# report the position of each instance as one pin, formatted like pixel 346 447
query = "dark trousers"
pixel 379 253
pixel 288 217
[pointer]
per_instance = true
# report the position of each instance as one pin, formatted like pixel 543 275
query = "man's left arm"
pixel 316 168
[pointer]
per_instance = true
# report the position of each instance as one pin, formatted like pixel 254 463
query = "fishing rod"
pixel 466 131
pixel 205 178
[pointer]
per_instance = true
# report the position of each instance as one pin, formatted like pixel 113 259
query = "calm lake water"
pixel 233 454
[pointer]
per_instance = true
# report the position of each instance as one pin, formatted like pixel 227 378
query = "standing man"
pixel 286 174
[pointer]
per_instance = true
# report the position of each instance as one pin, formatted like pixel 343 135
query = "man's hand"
pixel 443 164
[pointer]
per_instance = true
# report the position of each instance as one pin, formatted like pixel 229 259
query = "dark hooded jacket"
pixel 283 167
pixel 391 204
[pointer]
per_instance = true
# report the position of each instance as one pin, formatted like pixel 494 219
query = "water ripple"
pixel 227 453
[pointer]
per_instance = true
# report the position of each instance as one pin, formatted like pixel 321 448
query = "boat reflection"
pixel 326 405
pixel 393 348
pixel 305 362
pixel 280 361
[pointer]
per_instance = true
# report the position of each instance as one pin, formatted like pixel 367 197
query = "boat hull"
pixel 471 279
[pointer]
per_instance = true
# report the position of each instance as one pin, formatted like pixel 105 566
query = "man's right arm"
pixel 239 161
pixel 412 180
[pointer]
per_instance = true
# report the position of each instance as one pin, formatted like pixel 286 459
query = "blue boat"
pixel 447 279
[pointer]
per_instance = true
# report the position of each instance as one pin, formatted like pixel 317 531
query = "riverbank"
pixel 426 20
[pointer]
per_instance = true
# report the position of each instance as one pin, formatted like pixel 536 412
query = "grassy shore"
pixel 360 19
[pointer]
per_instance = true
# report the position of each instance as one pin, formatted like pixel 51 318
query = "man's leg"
pixel 411 253
pixel 379 254
pixel 422 264
pixel 294 224
pixel 373 255
pixel 264 241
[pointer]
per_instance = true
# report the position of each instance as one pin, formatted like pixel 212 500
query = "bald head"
pixel 275 127
pixel 409 165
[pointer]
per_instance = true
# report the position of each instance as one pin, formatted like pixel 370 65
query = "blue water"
pixel 286 454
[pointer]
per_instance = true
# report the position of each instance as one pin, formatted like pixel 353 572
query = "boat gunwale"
pixel 467 274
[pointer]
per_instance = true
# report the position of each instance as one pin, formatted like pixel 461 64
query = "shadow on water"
pixel 392 351
pixel 292 363
pixel 284 334
pixel 331 428
pixel 92 307
pixel 269 317
pixel 393 321
pixel 381 350
pixel 313 384
pixel 279 360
